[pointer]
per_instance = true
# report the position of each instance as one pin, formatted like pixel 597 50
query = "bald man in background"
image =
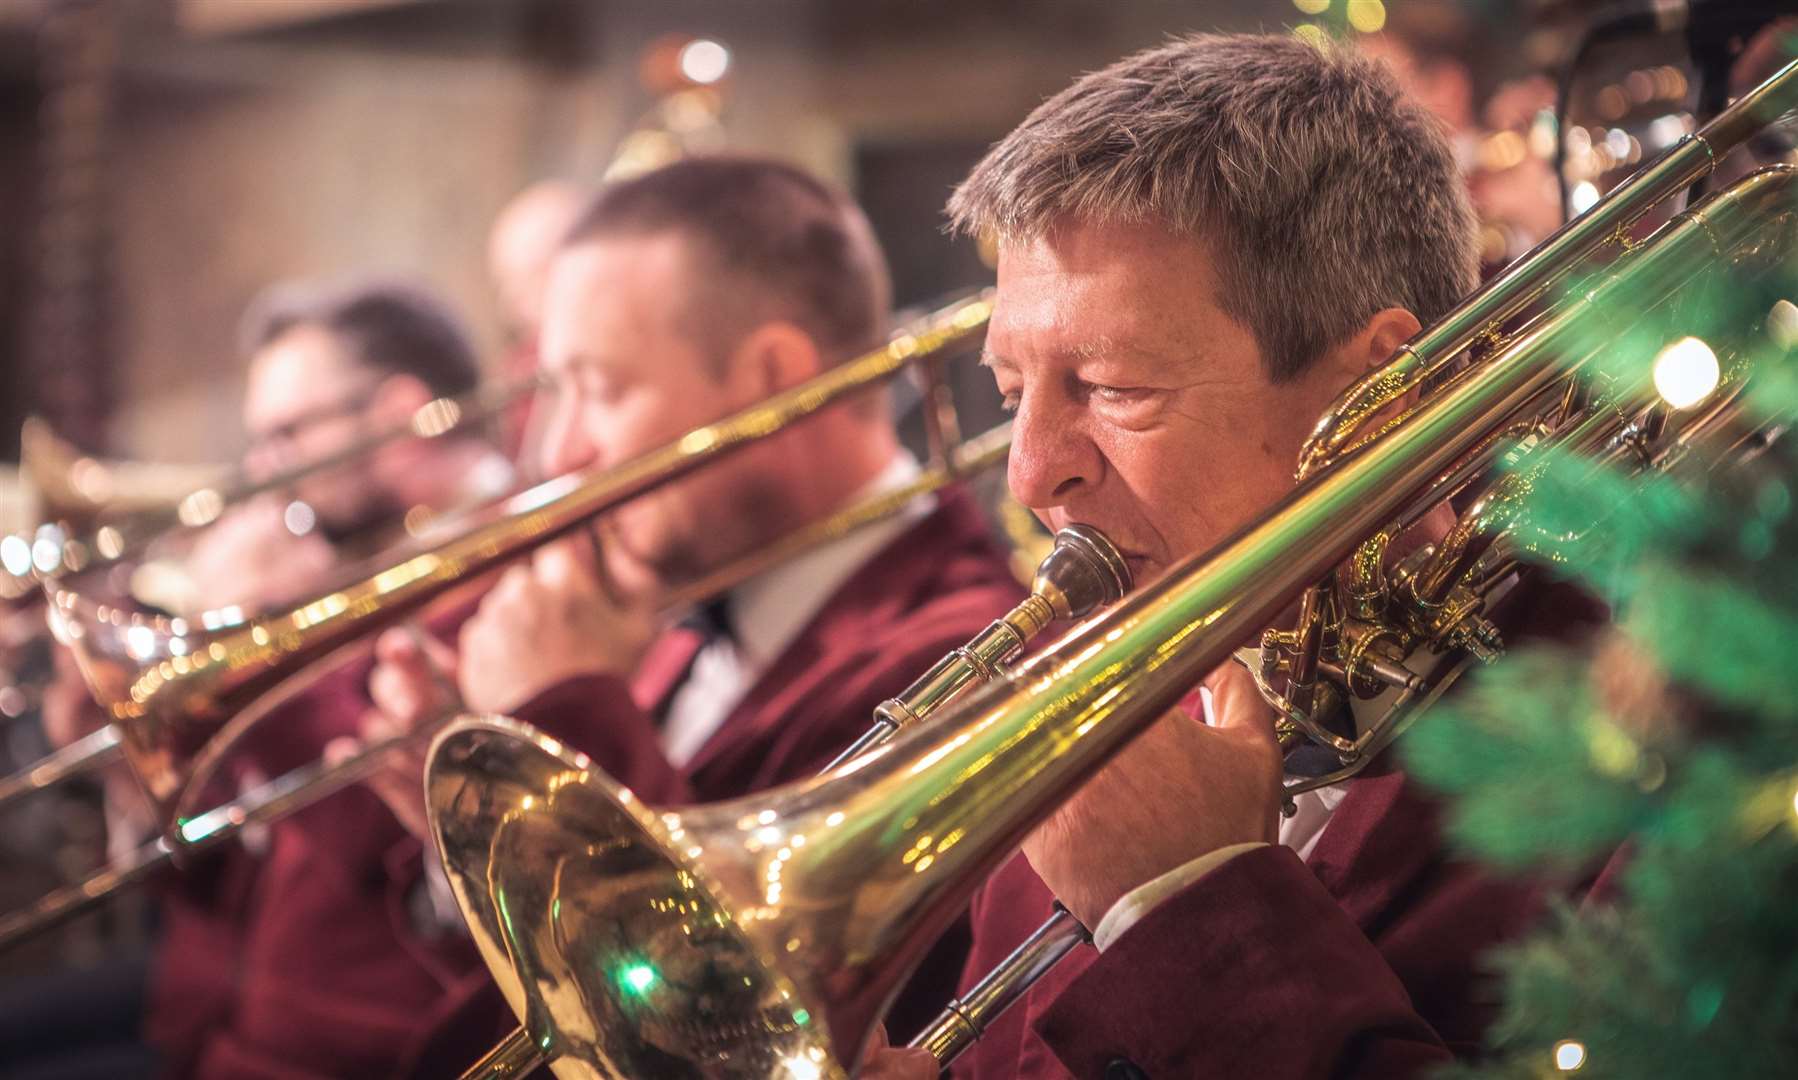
pixel 523 242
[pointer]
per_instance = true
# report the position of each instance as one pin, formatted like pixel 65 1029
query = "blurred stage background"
pixel 161 160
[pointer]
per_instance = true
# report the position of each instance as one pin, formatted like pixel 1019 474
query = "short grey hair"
pixel 1322 193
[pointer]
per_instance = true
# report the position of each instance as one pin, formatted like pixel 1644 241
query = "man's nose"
pixel 566 445
pixel 1052 455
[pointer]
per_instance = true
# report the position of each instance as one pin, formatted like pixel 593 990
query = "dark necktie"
pixel 669 662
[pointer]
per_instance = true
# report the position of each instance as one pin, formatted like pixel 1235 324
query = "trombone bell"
pixel 664 966
pixel 636 964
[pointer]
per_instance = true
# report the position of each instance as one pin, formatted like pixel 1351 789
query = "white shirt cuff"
pixel 1136 903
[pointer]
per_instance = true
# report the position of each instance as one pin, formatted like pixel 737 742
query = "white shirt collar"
pixel 768 611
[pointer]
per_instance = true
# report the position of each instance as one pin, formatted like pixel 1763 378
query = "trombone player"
pixel 1199 247
pixel 239 981
pixel 330 364
pixel 326 363
pixel 679 296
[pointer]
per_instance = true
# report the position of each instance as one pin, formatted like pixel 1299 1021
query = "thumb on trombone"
pixel 414 677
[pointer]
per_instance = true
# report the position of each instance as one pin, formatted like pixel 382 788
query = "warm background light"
pixel 704 61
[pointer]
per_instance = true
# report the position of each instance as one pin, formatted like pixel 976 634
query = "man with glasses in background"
pixel 330 366
pixel 327 365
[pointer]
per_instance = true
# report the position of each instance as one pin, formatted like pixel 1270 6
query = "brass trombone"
pixel 30 568
pixel 182 697
pixel 88 525
pixel 763 936
pixel 75 487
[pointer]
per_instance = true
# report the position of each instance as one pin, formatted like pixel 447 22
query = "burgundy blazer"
pixel 1365 961
pixel 206 909
pixel 931 589
pixel 934 587
pixel 231 921
pixel 334 978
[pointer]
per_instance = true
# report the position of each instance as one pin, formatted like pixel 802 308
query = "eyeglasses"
pixel 289 430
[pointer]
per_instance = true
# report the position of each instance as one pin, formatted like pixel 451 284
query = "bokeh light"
pixel 1585 196
pixel 704 61
pixel 15 553
pixel 1367 16
pixel 1569 1055
pixel 1686 372
pixel 299 517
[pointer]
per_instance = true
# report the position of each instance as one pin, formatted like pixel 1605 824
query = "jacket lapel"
pixel 874 596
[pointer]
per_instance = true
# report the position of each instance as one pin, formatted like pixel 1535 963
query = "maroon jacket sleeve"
pixel 207 909
pixel 1280 983
pixel 595 715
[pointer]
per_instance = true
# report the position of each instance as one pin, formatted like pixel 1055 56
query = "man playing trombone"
pixel 679 297
pixel 327 365
pixel 1199 248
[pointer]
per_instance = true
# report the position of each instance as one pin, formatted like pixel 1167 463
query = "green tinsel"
pixel 1673 735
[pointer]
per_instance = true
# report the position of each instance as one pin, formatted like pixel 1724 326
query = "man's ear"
pixel 773 357
pixel 1381 336
pixel 1371 346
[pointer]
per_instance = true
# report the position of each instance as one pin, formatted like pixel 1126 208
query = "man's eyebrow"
pixel 1097 349
pixel 1084 351
pixel 1101 347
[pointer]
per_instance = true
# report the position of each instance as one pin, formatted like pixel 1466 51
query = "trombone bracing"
pixel 181 698
pixel 763 936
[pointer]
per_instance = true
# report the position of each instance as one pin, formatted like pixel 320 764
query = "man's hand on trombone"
pixel 542 623
pixel 1182 789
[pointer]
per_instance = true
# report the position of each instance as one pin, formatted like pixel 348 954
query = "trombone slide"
pixel 291 791
pixel 965 1019
pixel 94 750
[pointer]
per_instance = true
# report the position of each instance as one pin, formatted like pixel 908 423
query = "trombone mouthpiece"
pixel 1082 572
